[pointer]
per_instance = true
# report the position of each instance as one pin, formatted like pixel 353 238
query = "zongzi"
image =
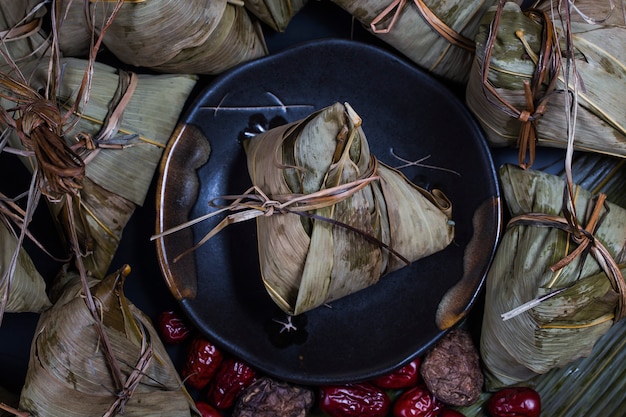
pixel 172 36
pixel 69 373
pixel 436 35
pixel 125 126
pixel 21 36
pixel 359 219
pixel 550 294
pixel 518 90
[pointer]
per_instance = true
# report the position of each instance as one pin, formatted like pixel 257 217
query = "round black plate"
pixel 405 112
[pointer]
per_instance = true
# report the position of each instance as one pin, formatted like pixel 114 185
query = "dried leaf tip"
pixel 354 117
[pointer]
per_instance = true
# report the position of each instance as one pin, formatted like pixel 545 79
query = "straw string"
pixel 438 25
pixel 255 203
pixel 545 76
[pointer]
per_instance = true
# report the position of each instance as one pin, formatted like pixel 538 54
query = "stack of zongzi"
pixel 359 219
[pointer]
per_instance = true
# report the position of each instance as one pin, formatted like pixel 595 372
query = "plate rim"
pixel 186 121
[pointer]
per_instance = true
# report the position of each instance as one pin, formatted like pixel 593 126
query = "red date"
pixel 354 400
pixel 207 410
pixel 417 402
pixel 515 402
pixel 232 377
pixel 173 327
pixel 203 360
pixel 404 377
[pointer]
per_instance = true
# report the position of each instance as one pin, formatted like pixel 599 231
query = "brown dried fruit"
pixel 451 370
pixel 267 397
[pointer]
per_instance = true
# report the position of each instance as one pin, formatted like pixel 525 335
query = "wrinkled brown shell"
pixel 452 370
pixel 267 397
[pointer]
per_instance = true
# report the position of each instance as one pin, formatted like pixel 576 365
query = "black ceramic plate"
pixel 405 114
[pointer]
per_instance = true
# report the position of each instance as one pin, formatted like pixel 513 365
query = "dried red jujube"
pixel 404 377
pixel 203 360
pixel 515 402
pixel 232 377
pixel 417 402
pixel 354 400
pixel 173 328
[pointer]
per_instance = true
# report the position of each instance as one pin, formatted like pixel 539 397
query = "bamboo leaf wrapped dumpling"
pixel 436 35
pixel 360 219
pixel 585 301
pixel 69 373
pixel 517 89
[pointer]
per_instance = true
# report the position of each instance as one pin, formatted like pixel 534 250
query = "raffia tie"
pixel 395 8
pixel 255 203
pixel 586 243
pixel 545 76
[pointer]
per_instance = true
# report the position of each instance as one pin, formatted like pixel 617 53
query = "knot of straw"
pixel 429 17
pixel 40 130
pixel 584 238
pixel 537 92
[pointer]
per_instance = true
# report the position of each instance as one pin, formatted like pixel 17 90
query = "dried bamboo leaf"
pixel 68 374
pixel 566 326
pixel 190 37
pixel 601 174
pixel 409 26
pixel 358 215
pixel 275 14
pixel 600 57
pixel 26 287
